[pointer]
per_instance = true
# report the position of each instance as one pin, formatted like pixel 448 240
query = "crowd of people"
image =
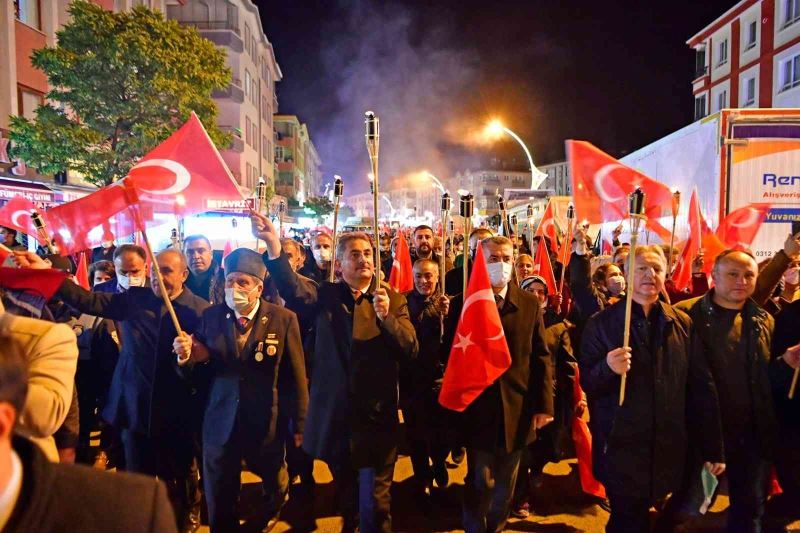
pixel 304 352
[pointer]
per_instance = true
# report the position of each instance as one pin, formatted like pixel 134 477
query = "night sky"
pixel 615 73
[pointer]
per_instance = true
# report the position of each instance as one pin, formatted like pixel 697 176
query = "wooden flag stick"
pixel 636 211
pixel 794 383
pixel 161 287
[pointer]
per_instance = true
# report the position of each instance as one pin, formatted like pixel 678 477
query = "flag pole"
pixel 442 264
pixel 529 215
pixel 466 207
pixel 567 246
pixel 261 199
pixel 636 214
pixel 372 137
pixel 501 204
pixel 161 287
pixel 281 209
pixel 338 190
pixel 676 202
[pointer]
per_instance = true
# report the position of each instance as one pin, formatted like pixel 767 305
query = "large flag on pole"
pixel 601 185
pixel 548 228
pixel 182 176
pixel 542 267
pixel 480 353
pixel 739 228
pixel 16 214
pixel 682 275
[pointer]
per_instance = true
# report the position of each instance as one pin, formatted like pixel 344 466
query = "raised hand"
pixel 264 229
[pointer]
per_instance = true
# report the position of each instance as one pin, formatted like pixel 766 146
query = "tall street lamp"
pixel 436 182
pixel 496 129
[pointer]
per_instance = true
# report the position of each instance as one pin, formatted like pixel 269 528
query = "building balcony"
pixel 232 92
pixel 700 72
pixel 220 32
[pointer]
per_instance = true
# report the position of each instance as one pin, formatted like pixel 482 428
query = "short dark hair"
pixel 10 230
pixel 133 248
pixel 346 238
pixel 104 266
pixel 724 255
pixel 13 380
pixel 197 237
pixel 422 227
pixel 425 261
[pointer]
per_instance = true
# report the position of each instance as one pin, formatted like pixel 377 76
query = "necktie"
pixel 242 322
pixel 499 301
pixel 356 295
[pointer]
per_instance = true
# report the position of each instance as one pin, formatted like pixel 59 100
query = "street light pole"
pixel 537 176
pixel 436 182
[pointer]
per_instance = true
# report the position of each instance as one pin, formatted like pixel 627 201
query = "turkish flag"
pixel 85 223
pixel 583 445
pixel 656 227
pixel 542 267
pixel 5 253
pixel 16 214
pixel 184 174
pixel 739 228
pixel 601 185
pixel 547 227
pixel 607 248
pixel 227 249
pixel 43 282
pixel 401 278
pixel 480 353
pixel 682 274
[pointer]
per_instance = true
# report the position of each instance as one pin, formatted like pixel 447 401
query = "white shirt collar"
pixel 502 293
pixel 10 494
pixel 251 314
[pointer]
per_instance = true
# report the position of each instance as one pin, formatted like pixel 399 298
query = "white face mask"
pixel 616 284
pixel 237 299
pixel 499 274
pixel 792 276
pixel 126 282
pixel 322 255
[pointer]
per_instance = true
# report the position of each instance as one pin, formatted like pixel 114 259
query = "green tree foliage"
pixel 320 205
pixel 121 84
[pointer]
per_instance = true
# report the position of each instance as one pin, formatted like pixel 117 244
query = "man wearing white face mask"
pixel 129 262
pixel 506 417
pixel 250 353
pixel 318 262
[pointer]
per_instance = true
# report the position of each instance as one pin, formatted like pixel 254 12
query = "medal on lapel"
pixel 272 343
pixel 259 352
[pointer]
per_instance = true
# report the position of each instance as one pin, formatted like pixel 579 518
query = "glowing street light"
pixel 495 129
pixel 389 202
pixel 436 182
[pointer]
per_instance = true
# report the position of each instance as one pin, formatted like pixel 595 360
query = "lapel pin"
pixel 263 320
pixel 259 356
pixel 228 315
pixel 271 350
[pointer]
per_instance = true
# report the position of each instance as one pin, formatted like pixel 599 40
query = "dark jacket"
pixel 454 279
pixel 242 387
pixel 55 498
pixel 757 326
pixel 147 395
pixel 787 334
pixel 311 270
pixel 212 287
pixel 640 448
pixel 559 344
pixel 421 377
pixel 525 389
pixel 352 412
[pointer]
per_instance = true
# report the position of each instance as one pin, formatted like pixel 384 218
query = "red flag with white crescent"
pixel 401 277
pixel 82 272
pixel 16 214
pixel 184 175
pixel 739 228
pixel 542 267
pixel 682 275
pixel 548 228
pixel 601 185
pixel 480 352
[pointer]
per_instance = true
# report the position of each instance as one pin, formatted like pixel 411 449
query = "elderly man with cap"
pixel 251 355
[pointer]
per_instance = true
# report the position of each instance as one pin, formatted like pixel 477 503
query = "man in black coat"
pixel 148 400
pixel 454 279
pixel 734 335
pixel 639 449
pixel 504 419
pixel 421 380
pixel 250 354
pixel 318 263
pixel 206 278
pixel 49 497
pixel 360 336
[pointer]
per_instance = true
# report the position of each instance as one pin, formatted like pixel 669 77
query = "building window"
pixel 750 39
pixel 254 92
pixel 749 92
pixel 699 107
pixel 722 50
pixel 722 100
pixel 247 39
pixel 28 100
pixel 27 12
pixel 248 81
pixel 791 12
pixel 248 130
pixel 790 73
pixel 247 175
pixel 255 135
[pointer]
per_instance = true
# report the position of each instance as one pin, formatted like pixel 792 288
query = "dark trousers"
pixel 365 491
pixel 169 457
pixel 785 507
pixel 427 438
pixel 488 489
pixel 628 515
pixel 534 458
pixel 222 469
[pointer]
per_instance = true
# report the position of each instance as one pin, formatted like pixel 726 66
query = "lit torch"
pixel 372 137
pixel 338 190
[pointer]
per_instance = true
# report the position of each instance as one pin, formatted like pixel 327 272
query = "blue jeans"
pixel 488 489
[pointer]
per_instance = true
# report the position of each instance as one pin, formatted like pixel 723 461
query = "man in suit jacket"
pixel 148 400
pixel 129 264
pixel 503 420
pixel 252 354
pixel 360 335
pixel 50 352
pixel 41 496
